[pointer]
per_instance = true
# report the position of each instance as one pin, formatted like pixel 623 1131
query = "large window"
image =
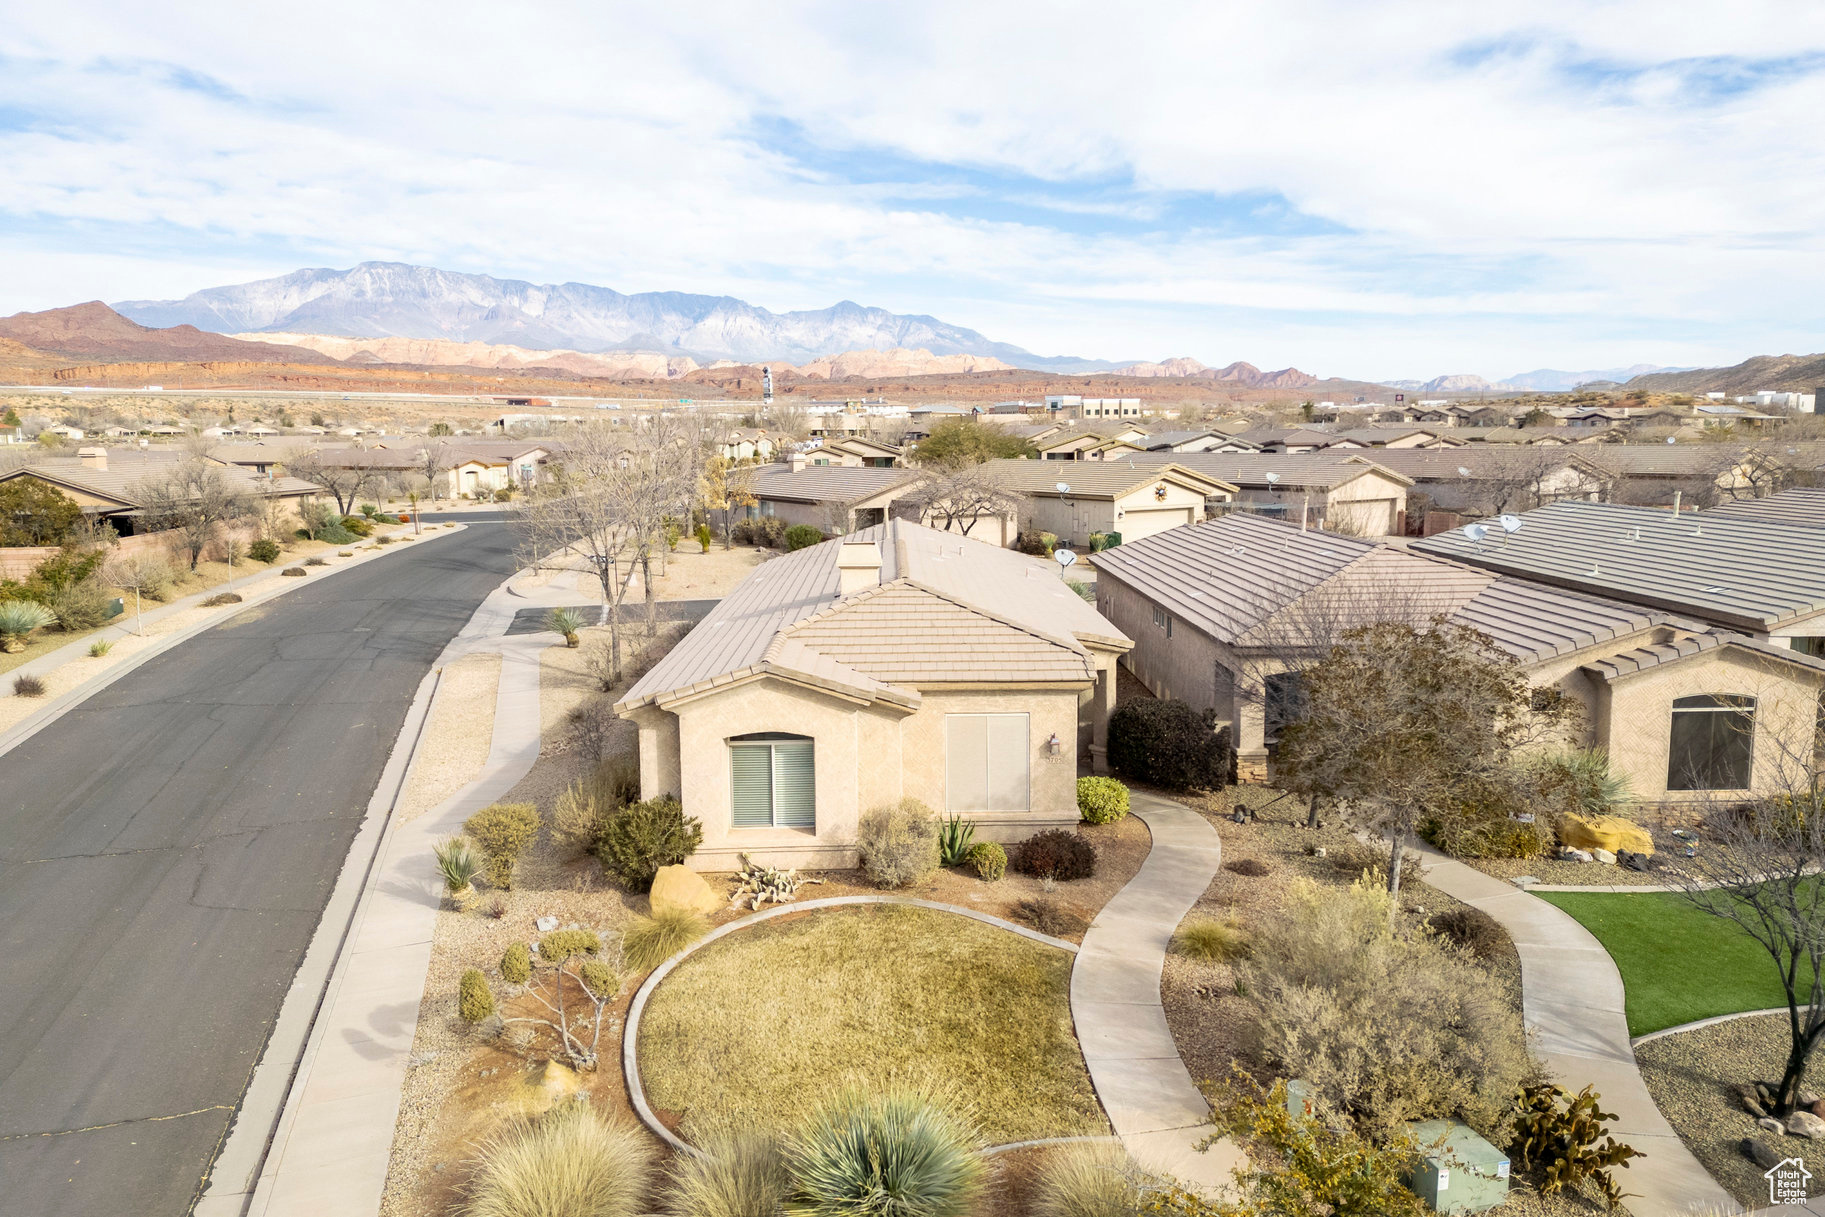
pixel 773 782
pixel 1713 742
pixel 987 759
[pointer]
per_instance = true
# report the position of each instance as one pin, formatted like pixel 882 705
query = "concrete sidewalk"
pixel 1572 1003
pixel 1152 1101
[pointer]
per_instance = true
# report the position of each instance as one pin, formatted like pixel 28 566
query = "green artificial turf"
pixel 1678 964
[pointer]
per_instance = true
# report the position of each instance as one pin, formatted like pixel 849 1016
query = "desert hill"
pixel 1783 373
pixel 95 331
pixel 1238 372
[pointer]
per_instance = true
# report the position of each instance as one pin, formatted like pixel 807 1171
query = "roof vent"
pixel 858 565
pixel 93 458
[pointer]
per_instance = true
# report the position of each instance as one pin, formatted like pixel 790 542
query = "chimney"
pixel 93 458
pixel 797 461
pixel 858 565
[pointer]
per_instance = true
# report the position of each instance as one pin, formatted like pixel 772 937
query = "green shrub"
pixel 503 830
pixel 988 860
pixel 290 572
pixel 1031 541
pixel 1168 744
pixel 560 945
pixel 1210 940
pixel 370 510
pixel 637 840
pixel 570 1162
pixel 333 533
pixel 264 550
pixel 703 537
pixel 1469 835
pixel 79 606
pixel 1101 800
pixel 600 979
pixel 357 526
pixel 100 647
pixel 18 618
pixel 898 843
pixel 579 813
pixel 474 1002
pixel 457 863
pixel 740 1176
pixel 567 622
pixel 955 836
pixel 1055 854
pixel 516 963
pixel 767 531
pixel 1088 1181
pixel 650 941
pixel 803 536
pixel 896 1154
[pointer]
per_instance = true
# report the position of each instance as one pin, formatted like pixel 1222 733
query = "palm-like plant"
pixel 1584 782
pixel 18 618
pixel 458 863
pixel 566 622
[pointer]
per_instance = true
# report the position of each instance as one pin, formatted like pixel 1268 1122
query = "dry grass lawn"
pixel 759 1028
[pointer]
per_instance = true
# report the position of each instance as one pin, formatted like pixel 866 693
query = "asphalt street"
pixel 166 851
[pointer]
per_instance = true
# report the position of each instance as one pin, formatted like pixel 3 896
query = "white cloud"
pixel 1491 187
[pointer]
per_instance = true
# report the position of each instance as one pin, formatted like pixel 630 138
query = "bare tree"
pixel 196 500
pixel 726 487
pixel 434 460
pixel 957 499
pixel 345 483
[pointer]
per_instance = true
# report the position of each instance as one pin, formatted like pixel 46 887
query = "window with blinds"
pixel 987 757
pixel 772 782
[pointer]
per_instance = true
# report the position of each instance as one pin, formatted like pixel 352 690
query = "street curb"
pixel 38 720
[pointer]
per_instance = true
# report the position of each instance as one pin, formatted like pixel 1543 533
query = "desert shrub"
pixel 703 537
pixel 28 686
pixel 1088 1181
pixel 333 533
pixel 516 963
pixel 357 526
pixel 474 1001
pixel 1470 928
pixel 1254 868
pixel 100 647
pixel 290 572
pixel 1387 1023
pixel 1579 781
pixel 560 945
pixel 634 842
pixel 1472 831
pixel 370 510
pixel 567 622
pixel 503 830
pixel 315 561
pixel 1357 858
pixel 18 618
pixel 600 979
pixel 802 536
pixel 221 599
pixel 1049 917
pixel 897 1154
pixel 1561 1132
pixel 457 863
pixel 650 941
pixel 579 813
pixel 988 860
pixel 388 540
pixel 264 550
pixel 1032 541
pixel 898 843
pixel 742 1176
pixel 149 572
pixel 1168 744
pixel 570 1161
pixel 1055 854
pixel 79 606
pixel 955 837
pixel 1101 800
pixel 1210 940
pixel 767 531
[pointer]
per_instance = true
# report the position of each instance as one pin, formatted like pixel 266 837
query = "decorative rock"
pixel 1770 1124
pixel 1818 1108
pixel 1319 851
pixel 1805 1124
pixel 546 924
pixel 1763 1154
pixel 1752 1102
pixel 681 888
pixel 1629 860
pixel 1524 880
pixel 1604 856
pixel 542 1089
pixel 1806 1098
pixel 1571 854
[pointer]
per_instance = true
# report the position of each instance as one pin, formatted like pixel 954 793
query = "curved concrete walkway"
pixel 1152 1101
pixel 1572 1003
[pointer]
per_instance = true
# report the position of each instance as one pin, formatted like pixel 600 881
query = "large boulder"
pixel 680 887
pixel 1612 833
pixel 1761 1153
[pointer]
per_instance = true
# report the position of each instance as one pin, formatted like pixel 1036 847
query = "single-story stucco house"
pixel 900 662
pixel 1107 497
pixel 1341 489
pixel 1225 613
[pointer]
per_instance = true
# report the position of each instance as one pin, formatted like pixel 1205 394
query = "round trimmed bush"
pixel 560 945
pixel 473 1000
pixel 988 860
pixel 803 536
pixel 1101 800
pixel 1055 854
pixel 503 830
pixel 516 964
pixel 264 550
pixel 633 843
pixel 899 843
pixel 1166 743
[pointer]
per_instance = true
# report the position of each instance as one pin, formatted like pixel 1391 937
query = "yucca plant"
pixel 570 1161
pixel 100 647
pixel 955 836
pixel 741 1176
pixel 18 618
pixel 566 622
pixel 896 1154
pixel 458 863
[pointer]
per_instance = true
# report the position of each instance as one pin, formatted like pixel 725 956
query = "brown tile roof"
pixel 127 469
pixel 1100 479
pixel 1297 471
pixel 827 483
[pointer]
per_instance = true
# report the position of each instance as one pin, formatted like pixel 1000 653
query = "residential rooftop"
pixel 1249 470
pixel 826 483
pixel 1100 479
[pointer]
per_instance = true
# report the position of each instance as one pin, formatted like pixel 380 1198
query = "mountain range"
pixel 1540 380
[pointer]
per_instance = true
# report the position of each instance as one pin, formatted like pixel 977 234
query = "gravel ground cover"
pixel 1690 1075
pixel 1551 870
pixel 454 750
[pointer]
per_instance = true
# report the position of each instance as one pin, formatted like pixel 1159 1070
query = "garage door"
pixel 1145 523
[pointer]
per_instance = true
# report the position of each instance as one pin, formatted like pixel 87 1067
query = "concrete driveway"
pixel 166 850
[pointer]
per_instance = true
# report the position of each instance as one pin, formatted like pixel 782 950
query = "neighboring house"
pixel 831 498
pixel 65 431
pixel 1295 440
pixel 1344 490
pixel 1521 437
pixel 467 467
pixel 1108 497
pixel 1091 443
pixel 1398 437
pixel 109 485
pixel 1799 508
pixel 1182 441
pixel 1757 577
pixel 1694 475
pixel 1487 481
pixel 746 444
pixel 1730 416
pixel 1225 613
pixel 861 452
pixel 261 456
pixel 899 663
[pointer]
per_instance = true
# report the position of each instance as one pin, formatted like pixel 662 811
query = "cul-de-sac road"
pixel 166 851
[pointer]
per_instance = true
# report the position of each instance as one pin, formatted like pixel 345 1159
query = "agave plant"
pixel 566 622
pixel 955 836
pixel 458 863
pixel 18 618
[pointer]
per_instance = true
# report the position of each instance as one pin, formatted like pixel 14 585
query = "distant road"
pixel 166 850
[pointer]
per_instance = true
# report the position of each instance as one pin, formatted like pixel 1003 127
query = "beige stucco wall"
pixel 1135 515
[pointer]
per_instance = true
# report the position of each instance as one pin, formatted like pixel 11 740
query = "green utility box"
pixel 1458 1172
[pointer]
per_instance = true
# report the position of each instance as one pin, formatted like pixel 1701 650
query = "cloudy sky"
pixel 1364 189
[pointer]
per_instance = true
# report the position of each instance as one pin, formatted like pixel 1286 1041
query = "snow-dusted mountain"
pixel 393 300
pixel 1551 380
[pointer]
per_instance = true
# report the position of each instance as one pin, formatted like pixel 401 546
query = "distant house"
pixel 1182 441
pixel 65 431
pixel 746 444
pixel 1484 481
pixel 110 485
pixel 1108 497
pixel 1295 440
pixel 863 452
pixel 1694 474
pixel 899 663
pixel 1081 443
pixel 1224 615
pixel 1346 490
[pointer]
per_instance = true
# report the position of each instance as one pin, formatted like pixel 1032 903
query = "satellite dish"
pixel 1063 557
pixel 1064 487
pixel 1463 472
pixel 1509 523
pixel 1476 532
pixel 1669 439
pixel 1273 478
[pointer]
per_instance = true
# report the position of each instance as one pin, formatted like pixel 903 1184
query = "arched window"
pixel 1712 745
pixel 772 781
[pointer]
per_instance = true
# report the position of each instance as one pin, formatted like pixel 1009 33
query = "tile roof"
pixel 1732 570
pixel 1297 471
pixel 827 483
pixel 947 609
pixel 1165 439
pixel 1614 667
pixel 1667 460
pixel 1253 582
pixel 1477 464
pixel 1099 479
pixel 1797 508
pixel 127 468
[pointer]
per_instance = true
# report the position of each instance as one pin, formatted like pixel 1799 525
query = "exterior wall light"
pixel 1053 747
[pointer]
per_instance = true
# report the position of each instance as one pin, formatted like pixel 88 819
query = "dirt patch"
pixel 457 738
